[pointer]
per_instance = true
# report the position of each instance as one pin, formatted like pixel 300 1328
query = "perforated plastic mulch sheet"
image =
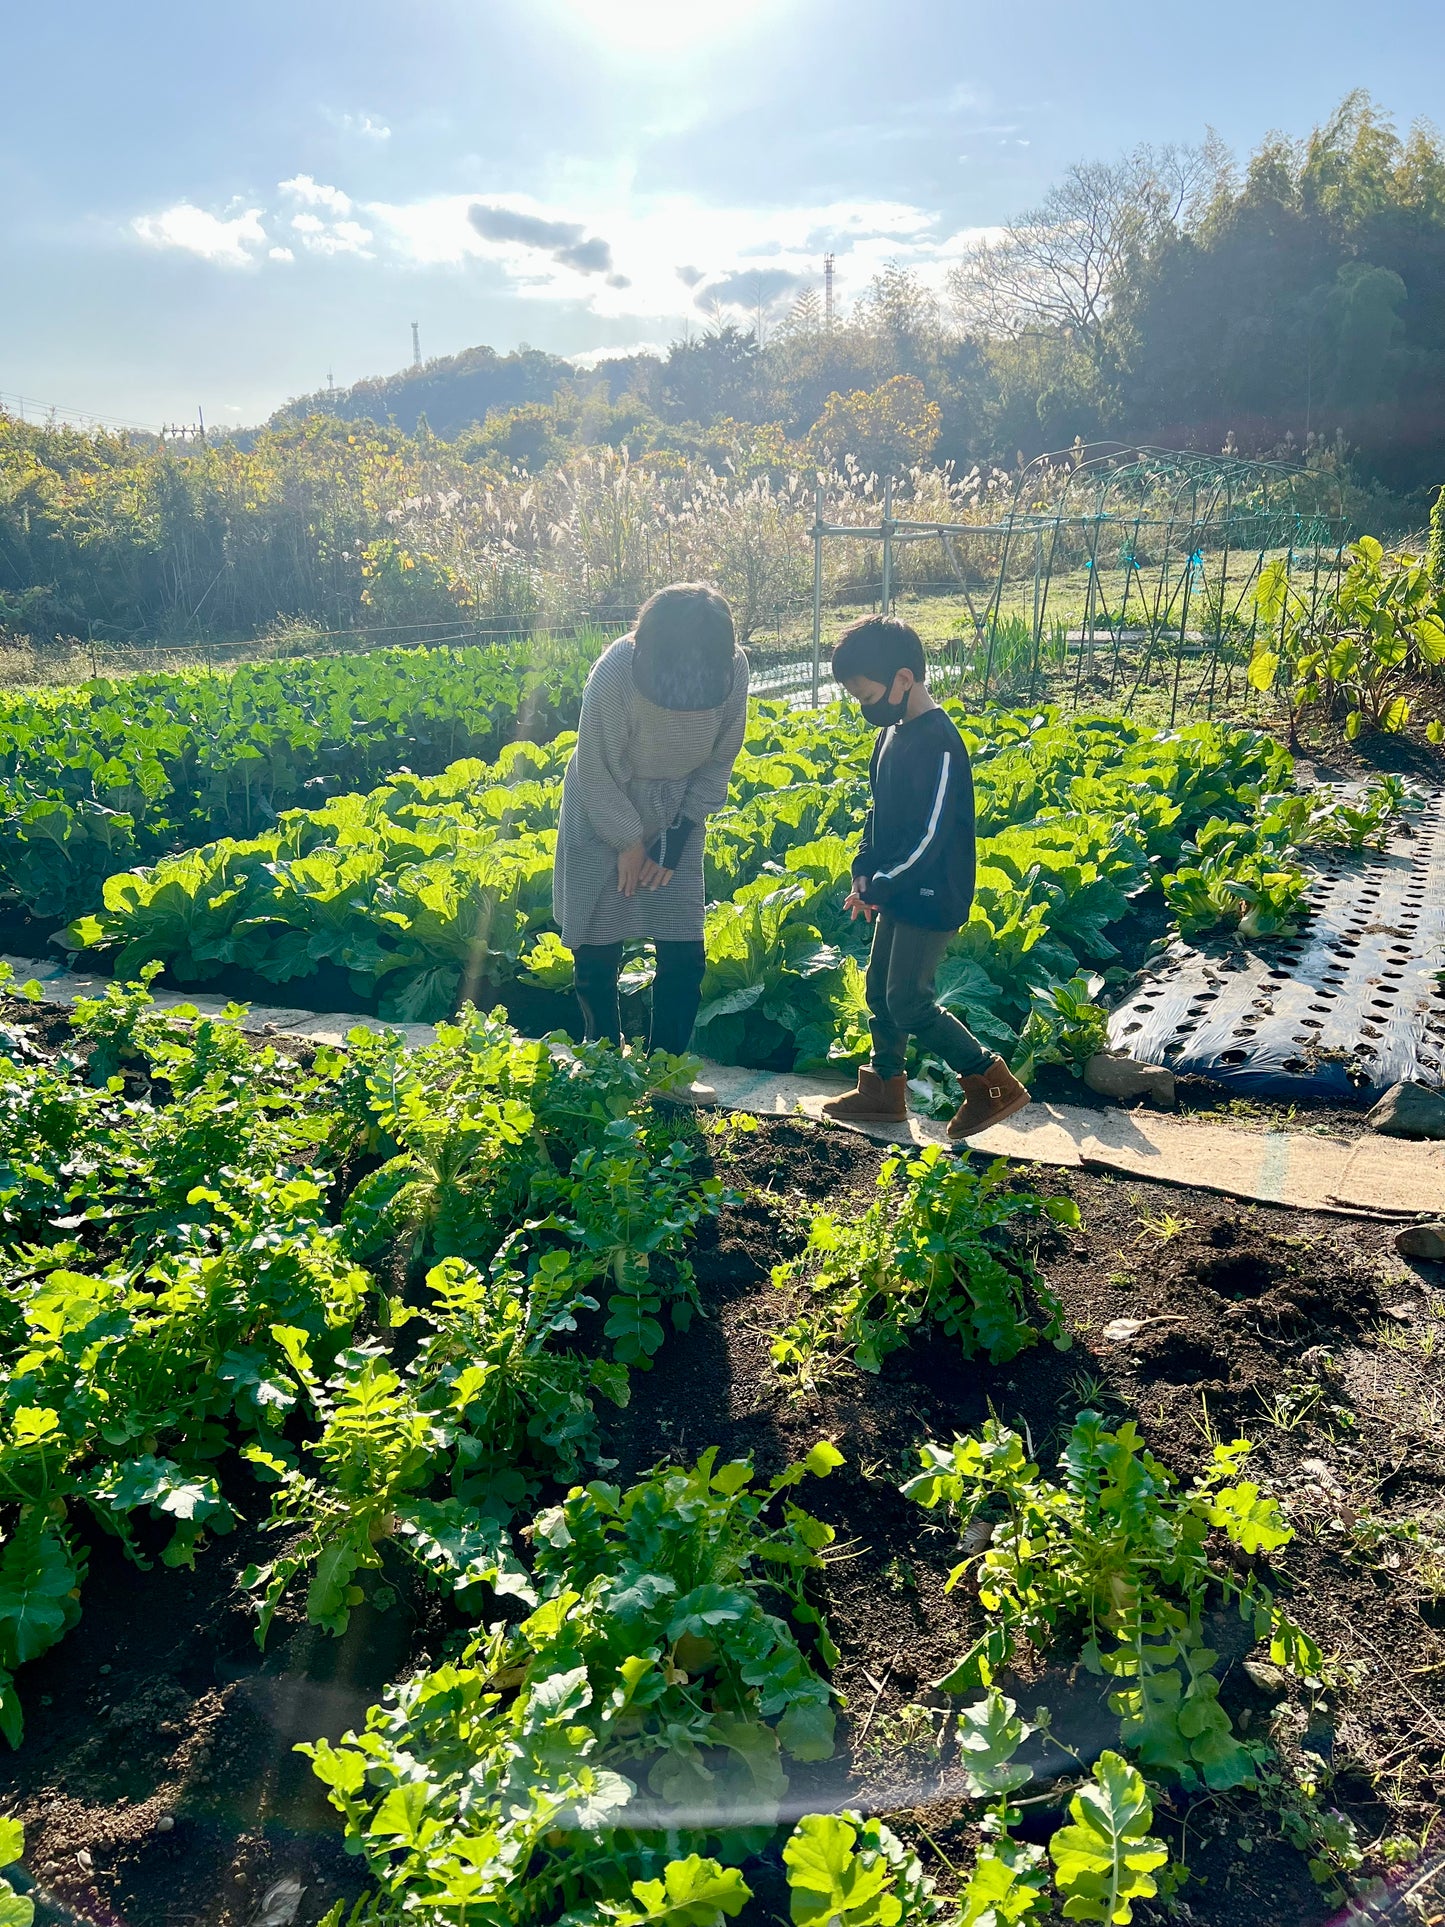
pixel 1348 1008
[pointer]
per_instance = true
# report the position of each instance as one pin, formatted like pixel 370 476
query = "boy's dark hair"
pixel 878 647
pixel 682 647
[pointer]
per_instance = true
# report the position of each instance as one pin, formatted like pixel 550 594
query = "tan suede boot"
pixel 875 1100
pixel 988 1098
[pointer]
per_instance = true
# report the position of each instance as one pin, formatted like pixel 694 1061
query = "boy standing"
pixel 913 881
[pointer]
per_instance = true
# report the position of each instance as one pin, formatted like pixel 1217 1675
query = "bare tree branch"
pixel 1059 266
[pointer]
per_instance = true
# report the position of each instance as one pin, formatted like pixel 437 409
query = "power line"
pixel 15 403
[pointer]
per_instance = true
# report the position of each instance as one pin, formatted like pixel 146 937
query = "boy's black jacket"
pixel 918 840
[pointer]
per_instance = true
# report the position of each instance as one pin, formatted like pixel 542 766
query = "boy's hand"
pixel 630 864
pixel 853 903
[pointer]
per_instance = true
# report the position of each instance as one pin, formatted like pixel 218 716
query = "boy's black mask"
pixel 883 712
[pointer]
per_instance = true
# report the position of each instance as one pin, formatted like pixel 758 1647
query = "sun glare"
pixel 665 26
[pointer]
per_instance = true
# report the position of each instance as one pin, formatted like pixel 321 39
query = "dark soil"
pixel 158 1781
pixel 1407 754
pixel 1304 1333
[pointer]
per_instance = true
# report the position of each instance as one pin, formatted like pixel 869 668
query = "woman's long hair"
pixel 682 647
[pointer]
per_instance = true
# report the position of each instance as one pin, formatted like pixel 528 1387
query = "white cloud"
pixel 313 193
pixel 365 126
pixel 332 237
pixel 592 356
pixel 638 260
pixel 226 239
pixel 327 232
pixel 671 246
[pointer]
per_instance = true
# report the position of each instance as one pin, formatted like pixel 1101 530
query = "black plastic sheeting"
pixel 1346 1009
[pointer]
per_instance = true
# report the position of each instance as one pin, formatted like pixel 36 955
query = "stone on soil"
pixel 1422 1241
pixel 1410 1110
pixel 1116 1074
pixel 1272 1680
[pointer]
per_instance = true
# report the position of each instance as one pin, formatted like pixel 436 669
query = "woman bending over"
pixel 663 717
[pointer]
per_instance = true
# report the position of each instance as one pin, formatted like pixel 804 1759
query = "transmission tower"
pixel 828 291
pixel 416 344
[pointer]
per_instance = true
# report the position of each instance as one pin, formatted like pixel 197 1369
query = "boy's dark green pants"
pixel 901 1003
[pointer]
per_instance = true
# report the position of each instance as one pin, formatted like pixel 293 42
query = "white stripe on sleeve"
pixel 933 817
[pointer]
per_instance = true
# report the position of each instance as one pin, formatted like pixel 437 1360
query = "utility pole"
pixel 828 292
pixel 201 418
pixel 416 344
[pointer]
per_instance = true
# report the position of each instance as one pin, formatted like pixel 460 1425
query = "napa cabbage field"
pixel 428 890
pixel 122 770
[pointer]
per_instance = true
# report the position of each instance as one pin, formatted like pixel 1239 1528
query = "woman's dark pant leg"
pixel 676 994
pixel 594 968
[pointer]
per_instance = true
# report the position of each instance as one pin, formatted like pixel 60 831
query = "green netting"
pixel 1127 566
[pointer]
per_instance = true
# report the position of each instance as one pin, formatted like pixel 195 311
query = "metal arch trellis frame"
pixel 1171 545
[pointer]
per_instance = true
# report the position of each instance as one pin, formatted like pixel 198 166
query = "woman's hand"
pixel 855 904
pixel 630 864
pixel 654 877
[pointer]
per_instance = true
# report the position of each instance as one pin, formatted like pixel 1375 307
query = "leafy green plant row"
pixel 187 1323
pixel 115 772
pixel 620 1753
pixel 645 1709
pixel 595 1762
pixel 1249 875
pixel 1115 1566
pixel 428 889
pixel 183 1302
pixel 441 1850
pixel 934 1250
pixel 182 1243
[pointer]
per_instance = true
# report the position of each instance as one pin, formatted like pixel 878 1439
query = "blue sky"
pixel 213 206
